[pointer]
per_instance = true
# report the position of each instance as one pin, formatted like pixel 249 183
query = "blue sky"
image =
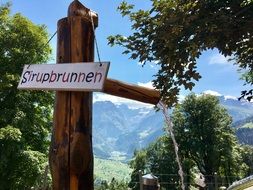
pixel 217 74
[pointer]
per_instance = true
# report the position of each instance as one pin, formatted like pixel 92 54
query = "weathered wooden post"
pixel 71 155
pixel 140 179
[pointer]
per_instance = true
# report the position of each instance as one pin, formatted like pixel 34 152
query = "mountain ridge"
pixel 119 129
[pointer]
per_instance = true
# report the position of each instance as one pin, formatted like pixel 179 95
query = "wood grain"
pixel 59 149
pixel 133 92
pixel 71 155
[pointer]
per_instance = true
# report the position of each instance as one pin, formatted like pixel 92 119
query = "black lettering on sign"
pixel 52 77
pixel 98 75
pixel 73 75
pixel 89 76
pixel 24 79
pixel 58 77
pixel 65 79
pixel 81 75
pixel 45 77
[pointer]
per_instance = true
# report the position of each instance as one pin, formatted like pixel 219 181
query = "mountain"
pixel 119 130
pixel 238 110
pixel 243 123
pixel 245 135
pixel 244 130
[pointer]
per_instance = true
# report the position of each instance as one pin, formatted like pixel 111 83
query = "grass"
pixel 108 169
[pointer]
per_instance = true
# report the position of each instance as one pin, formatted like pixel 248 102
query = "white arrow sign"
pixel 64 77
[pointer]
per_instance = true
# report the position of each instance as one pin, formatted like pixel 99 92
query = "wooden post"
pixel 140 179
pixel 71 155
pixel 215 181
pixel 150 182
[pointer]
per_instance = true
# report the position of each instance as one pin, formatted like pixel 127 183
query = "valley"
pixel 119 130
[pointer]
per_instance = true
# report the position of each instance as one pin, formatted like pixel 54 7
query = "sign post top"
pixel 78 9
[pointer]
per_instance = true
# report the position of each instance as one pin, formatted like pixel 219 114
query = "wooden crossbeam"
pixel 130 91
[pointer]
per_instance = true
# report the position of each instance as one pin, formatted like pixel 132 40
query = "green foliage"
pixel 103 186
pixel 30 170
pixel 175 33
pixel 159 159
pixel 203 130
pixel 20 169
pixel 9 155
pixel 25 117
pixel 139 163
pixel 114 185
pixel 10 135
pixel 247 156
pixel 108 169
pixel 207 145
pixel 161 162
pixel 22 42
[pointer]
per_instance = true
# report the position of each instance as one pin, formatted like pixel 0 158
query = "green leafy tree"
pixel 161 162
pixel 117 185
pixel 159 158
pixel 247 156
pixel 175 33
pixel 114 185
pixel 207 145
pixel 25 117
pixel 102 186
pixel 139 163
pixel 10 147
pixel 204 134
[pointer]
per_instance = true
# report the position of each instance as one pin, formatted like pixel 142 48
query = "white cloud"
pixel 144 134
pixel 132 104
pixel 215 93
pixel 219 59
pixel 147 84
pixel 140 63
pixel 181 98
pixel 230 97
pixel 152 65
pixel 211 92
